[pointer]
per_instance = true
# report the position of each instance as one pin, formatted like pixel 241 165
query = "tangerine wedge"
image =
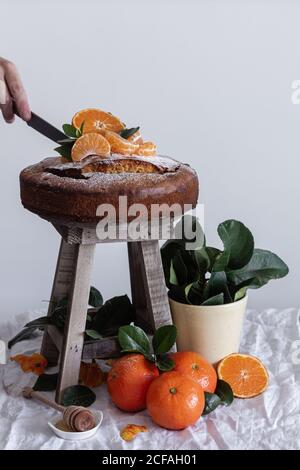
pixel 246 375
pixel 120 145
pixel 96 120
pixel 136 138
pixel 90 144
pixel 146 149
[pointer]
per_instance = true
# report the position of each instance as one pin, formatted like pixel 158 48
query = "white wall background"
pixel 209 80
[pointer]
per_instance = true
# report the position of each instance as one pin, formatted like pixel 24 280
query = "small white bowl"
pixel 76 436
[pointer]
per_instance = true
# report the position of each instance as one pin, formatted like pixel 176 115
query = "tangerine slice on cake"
pixel 246 375
pixel 96 120
pixel 147 149
pixel 136 138
pixel 90 144
pixel 120 145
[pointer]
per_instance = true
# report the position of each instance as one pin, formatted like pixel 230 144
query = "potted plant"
pixel 208 286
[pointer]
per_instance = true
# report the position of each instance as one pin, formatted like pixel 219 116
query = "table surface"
pixel 270 421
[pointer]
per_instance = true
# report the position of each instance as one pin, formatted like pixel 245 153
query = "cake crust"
pixel 71 192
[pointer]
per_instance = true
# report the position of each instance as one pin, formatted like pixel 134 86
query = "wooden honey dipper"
pixel 77 418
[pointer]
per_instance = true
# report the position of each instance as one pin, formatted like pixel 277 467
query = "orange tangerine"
pixel 146 149
pixel 120 145
pixel 96 120
pixel 246 375
pixel 90 144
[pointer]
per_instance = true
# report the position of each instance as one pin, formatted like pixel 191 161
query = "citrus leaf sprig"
pixel 223 395
pixel 126 133
pixel 133 339
pixel 72 134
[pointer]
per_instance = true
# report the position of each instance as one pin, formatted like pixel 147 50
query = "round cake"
pixel 72 191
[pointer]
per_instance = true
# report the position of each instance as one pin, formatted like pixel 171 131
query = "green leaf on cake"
pixel 65 150
pixel 70 130
pixel 126 133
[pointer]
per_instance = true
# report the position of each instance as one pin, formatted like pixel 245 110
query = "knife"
pixel 42 126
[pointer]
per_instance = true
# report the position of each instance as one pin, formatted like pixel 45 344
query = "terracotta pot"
pixel 214 331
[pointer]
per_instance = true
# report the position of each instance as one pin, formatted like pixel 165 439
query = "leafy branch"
pixel 133 339
pixel 72 134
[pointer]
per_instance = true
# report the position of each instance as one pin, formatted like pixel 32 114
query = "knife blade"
pixel 42 126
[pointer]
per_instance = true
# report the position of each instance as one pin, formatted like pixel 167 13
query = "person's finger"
pixel 17 91
pixel 7 111
pixel 2 91
pixel 6 102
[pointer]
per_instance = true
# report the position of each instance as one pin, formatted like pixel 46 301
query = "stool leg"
pixel 71 352
pixel 61 286
pixel 148 288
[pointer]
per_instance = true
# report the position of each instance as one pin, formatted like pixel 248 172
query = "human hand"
pixel 11 87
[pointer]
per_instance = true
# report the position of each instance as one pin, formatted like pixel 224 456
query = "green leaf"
pixel 93 334
pixel 65 150
pixel 221 262
pixel 79 132
pixel 212 254
pixel 39 322
pixel 177 293
pixel 224 392
pixel 202 260
pixel 263 266
pixel 133 339
pixel 126 133
pixel 58 317
pixel 95 299
pixel 173 278
pixel 194 293
pixel 114 313
pixel 238 243
pixel 215 300
pixel 212 401
pixel 70 130
pixel 241 290
pixel 178 270
pixel 78 395
pixel 26 333
pixel 46 383
pixel 217 284
pixel 168 251
pixel 164 338
pixel 165 363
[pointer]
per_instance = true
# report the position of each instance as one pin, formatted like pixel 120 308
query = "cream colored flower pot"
pixel 214 331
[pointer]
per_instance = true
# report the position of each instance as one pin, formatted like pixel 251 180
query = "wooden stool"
pixel 73 278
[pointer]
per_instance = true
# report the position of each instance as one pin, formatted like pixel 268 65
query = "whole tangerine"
pixel 128 381
pixel 175 401
pixel 197 368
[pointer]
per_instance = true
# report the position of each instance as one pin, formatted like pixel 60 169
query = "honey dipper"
pixel 77 418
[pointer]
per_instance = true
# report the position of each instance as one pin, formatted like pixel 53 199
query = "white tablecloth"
pixel 270 421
